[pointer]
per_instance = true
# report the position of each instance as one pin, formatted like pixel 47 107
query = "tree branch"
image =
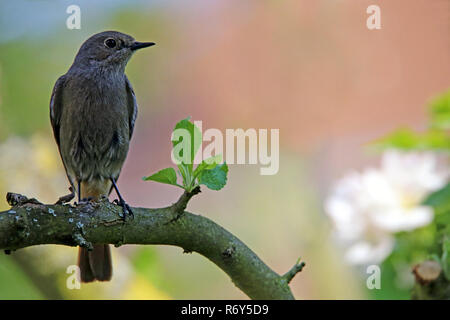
pixel 298 266
pixel 431 283
pixel 30 222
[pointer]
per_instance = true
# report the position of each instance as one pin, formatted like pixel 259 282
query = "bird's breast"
pixel 94 128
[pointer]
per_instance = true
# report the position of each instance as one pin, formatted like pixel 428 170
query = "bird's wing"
pixel 132 105
pixel 56 107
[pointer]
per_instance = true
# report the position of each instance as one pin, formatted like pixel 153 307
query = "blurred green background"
pixel 309 68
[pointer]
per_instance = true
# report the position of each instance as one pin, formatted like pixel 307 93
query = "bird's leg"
pixel 126 208
pixel 79 190
pixel 84 200
pixel 67 198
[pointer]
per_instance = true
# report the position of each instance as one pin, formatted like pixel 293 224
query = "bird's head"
pixel 109 49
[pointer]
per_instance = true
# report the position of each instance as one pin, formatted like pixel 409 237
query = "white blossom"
pixel 368 208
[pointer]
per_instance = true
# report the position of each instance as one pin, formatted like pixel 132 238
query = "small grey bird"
pixel 93 110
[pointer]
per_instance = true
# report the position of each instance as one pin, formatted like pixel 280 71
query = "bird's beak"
pixel 140 45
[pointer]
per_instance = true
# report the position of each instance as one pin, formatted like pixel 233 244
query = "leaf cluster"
pixel 186 142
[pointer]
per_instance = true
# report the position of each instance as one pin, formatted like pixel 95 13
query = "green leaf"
pixel 182 171
pixel 168 176
pixel 407 139
pixel 147 263
pixel 440 112
pixel 439 200
pixel 213 161
pixel 208 164
pixel 445 260
pixel 185 129
pixel 214 179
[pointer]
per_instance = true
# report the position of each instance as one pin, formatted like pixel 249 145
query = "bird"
pixel 93 111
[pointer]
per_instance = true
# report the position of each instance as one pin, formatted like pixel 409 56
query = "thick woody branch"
pixel 30 222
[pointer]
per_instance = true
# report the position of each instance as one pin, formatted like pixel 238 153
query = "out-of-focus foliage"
pixel 433 240
pixel 436 137
pixel 27 165
pixel 440 201
pixel 408 139
pixel 148 268
pixel 440 112
pixel 14 284
pixel 430 242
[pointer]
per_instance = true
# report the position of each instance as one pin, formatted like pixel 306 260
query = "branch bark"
pixel 30 222
pixel 431 283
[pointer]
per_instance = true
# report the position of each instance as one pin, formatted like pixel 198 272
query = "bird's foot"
pixel 85 201
pixel 126 209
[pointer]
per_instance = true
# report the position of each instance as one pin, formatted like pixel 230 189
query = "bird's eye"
pixel 110 43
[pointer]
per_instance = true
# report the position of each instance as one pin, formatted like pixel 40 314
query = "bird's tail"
pixel 95 264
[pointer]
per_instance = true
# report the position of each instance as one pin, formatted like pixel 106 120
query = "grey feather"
pixel 132 105
pixel 56 107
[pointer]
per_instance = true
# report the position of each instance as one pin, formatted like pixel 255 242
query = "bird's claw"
pixel 126 209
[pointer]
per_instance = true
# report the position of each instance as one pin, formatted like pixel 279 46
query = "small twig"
pixel 431 282
pixel 178 207
pixel 67 198
pixel 427 271
pixel 15 199
pixel 298 266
